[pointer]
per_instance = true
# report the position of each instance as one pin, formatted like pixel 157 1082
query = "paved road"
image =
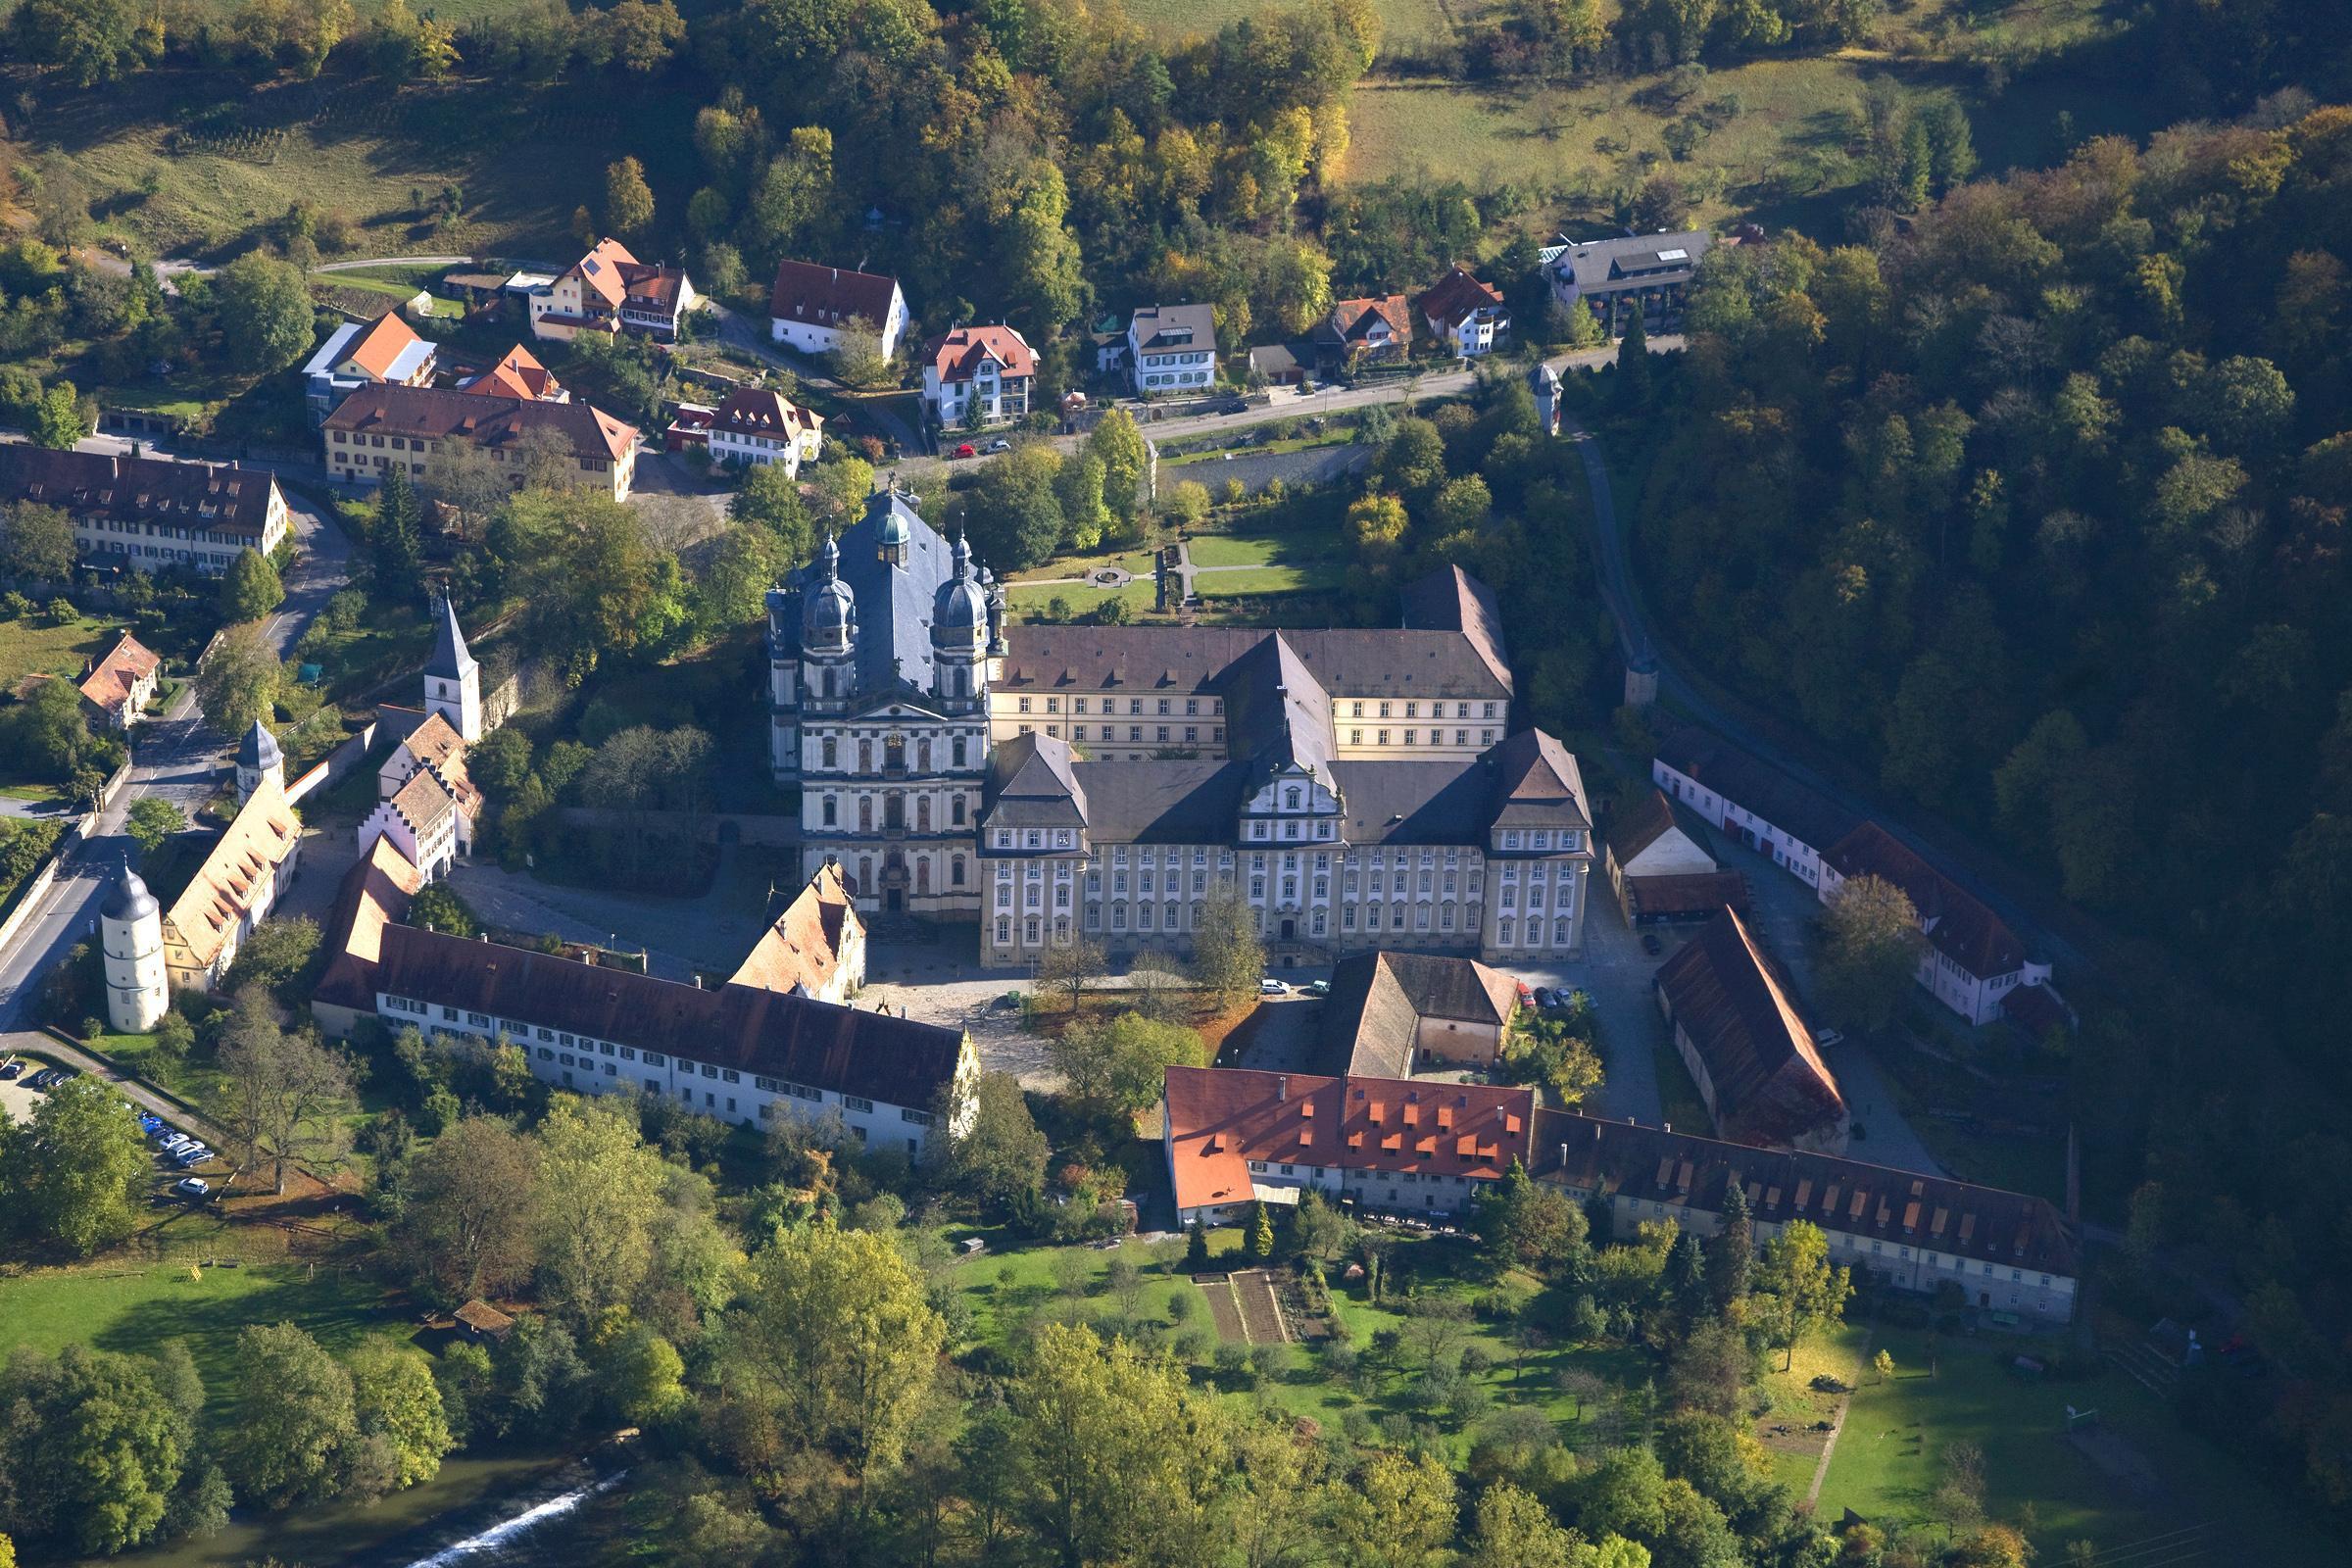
pixel 23 1042
pixel 177 756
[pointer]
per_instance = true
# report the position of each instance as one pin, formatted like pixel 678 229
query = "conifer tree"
pixel 1633 366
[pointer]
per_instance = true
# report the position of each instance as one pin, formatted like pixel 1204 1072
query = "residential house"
pixel 239 883
pixel 1972 960
pixel 1752 800
pixel 117 687
pixel 609 290
pixel 1465 315
pixel 1391 1014
pixel 147 513
pixel 423 820
pixel 517 374
pixel 811 307
pixel 1749 1051
pixel 1375 330
pixel 979 375
pixel 1646 273
pixel 741 1052
pixel 391 426
pixel 1662 867
pixel 816 947
pixel 1233 1137
pixel 2003 1251
pixel 1172 349
pixel 384 352
pixel 689 427
pixel 1280 364
pixel 756 427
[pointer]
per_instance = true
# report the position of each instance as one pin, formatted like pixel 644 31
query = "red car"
pixel 963 451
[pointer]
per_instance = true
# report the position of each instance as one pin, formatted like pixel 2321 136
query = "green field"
pixel 1290 548
pixel 1401 22
pixel 31 646
pixel 1314 577
pixel 135 1309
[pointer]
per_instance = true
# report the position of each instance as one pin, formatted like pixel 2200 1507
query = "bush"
pixel 1193 1345
pixel 1233 1365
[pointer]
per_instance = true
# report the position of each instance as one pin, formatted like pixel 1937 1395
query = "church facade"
pixel 1360 787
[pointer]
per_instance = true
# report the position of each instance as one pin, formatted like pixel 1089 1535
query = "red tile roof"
pixel 757 411
pixel 216 498
pixel 1958 927
pixel 1352 320
pixel 488 422
pixel 1771 1086
pixel 376 349
pixel 804 947
pixel 828 296
pixel 1220 1119
pixel 1454 297
pixel 520 375
pixel 958 353
pixel 600 271
pixel 114 679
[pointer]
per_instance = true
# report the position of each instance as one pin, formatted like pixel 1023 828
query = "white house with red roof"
pixel 517 374
pixel 811 306
pixel 1466 314
pixel 609 290
pixel 1973 960
pixel 756 428
pixel 119 685
pixel 991 368
pixel 357 354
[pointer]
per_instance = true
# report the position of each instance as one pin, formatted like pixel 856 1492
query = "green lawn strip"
pixel 1794 1402
pixel 1245 548
pixel 136 1309
pixel 1314 577
pixel 1035 596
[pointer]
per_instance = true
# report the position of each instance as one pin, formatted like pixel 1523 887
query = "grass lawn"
pixel 1243 548
pixel 1311 577
pixel 31 646
pixel 1889 1459
pixel 1796 1404
pixel 1136 561
pixel 135 1309
pixel 1032 598
pixel 391 288
pixel 1677 1094
pixel 1401 20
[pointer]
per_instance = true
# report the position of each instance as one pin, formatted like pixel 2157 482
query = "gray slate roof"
pixel 450 660
pixel 1414 661
pixel 1634 261
pixel 1031 783
pixel 1165 328
pixel 894 602
pixel 1757 786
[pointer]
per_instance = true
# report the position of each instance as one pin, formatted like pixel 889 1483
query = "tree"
pixel 1882 1364
pixel 771 501
pixel 297 1419
pixel 858 355
pixel 1262 1233
pixel 835 1326
pixel 36 543
pixel 93 1445
pixel 277 953
pixel 92 41
pixel 468 1227
pixel 1632 364
pixel 600 1195
pixel 1015 513
pixel 1118 444
pixel 1001 1154
pixel 265 312
pixel 1188 504
pixel 1119 1066
pixel 76 1176
pixel 61 417
pixel 641 1375
pixel 1807 1294
pixel 1401 1514
pixel 1730 1251
pixel 1516 1529
pixel 1115 1454
pixel 396 539
pixel 250 589
pixel 1229 959
pixel 286 1094
pixel 595 584
pixel 628 199
pixel 395 1400
pixel 1524 1225
pixel 469 480
pixel 238 683
pixel 1318 1230
pixel 152 821
pixel 1870 944
pixel 1068 969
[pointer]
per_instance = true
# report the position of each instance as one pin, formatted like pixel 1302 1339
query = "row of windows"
pixel 1412 710
pixel 1181 378
pixel 894 752
pixel 894 811
pixel 1135 706
pixel 1412 737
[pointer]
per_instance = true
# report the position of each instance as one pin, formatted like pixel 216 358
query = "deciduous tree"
pixel 250 589
pixel 1229 958
pixel 1870 942
pixel 395 1400
pixel 286 1094
pixel 152 821
pixel 600 1195
pixel 75 1176
pixel 265 312
pixel 297 1421
pixel 238 683
pixel 37 542
pixel 628 199
pixel 94 1445
pixel 468 1227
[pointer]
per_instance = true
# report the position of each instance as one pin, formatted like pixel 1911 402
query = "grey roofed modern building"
pixel 1648 272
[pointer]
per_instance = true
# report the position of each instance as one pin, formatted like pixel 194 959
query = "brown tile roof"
pixel 1350 321
pixel 435 741
pixel 804 947
pixel 1450 599
pixel 1648 818
pixel 483 1318
pixel 259 839
pixel 1220 1118
pixel 815 1043
pixel 1763 790
pixel 600 271
pixel 829 296
pixel 497 423
pixel 519 375
pixel 1454 297
pixel 1378 1001
pixel 1771 1085
pixel 2037 1010
pixel 1174 661
pixel 760 410
pixel 1538 782
pixel 1870 1201
pixel 1695 893
pixel 958 353
pixel 374 892
pixel 423 802
pixel 376 350
pixel 217 497
pixel 1958 927
pixel 112 680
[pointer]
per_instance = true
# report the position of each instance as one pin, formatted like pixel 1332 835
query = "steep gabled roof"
pixel 214 497
pixel 434 741
pixel 1032 782
pixel 1771 1085
pixel 1456 297
pixel 1538 784
pixel 764 412
pixel 264 832
pixel 1756 786
pixel 1958 924
pixel 1277 714
pixel 387 350
pixel 444 413
pixel 1450 599
pixel 517 374
pixel 1378 999
pixel 806 942
pixel 602 272
pixel 956 355
pixel 110 681
pixel 830 296
pixel 1352 322
pixel 373 894
pixel 1648 818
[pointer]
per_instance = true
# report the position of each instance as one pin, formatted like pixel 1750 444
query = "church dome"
pixel 831 607
pixel 963 605
pixel 129 899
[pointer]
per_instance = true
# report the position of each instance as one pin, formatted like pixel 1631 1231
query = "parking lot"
pixel 20 1100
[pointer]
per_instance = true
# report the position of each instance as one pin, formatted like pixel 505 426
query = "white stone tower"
pixel 258 757
pixel 130 935
pixel 1544 383
pixel 453 681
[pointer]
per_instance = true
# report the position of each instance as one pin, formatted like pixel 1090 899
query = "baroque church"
pixel 1360 787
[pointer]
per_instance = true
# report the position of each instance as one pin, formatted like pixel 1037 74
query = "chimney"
pixel 1282 1088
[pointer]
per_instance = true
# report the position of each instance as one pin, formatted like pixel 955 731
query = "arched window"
pixel 832 752
pixel 958 751
pixel 957 807
pixel 955 872
pixel 922 814
pixel 865 874
pixel 865 813
pixel 894 811
pixel 866 757
pixel 832 812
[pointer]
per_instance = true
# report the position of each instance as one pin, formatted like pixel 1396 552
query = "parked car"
pixel 11 1070
pixel 175 1142
pixel 1826 1038
pixel 1547 997
pixel 192 1187
pixel 998 446
pixel 1651 945
pixel 963 451
pixel 43 1079
pixel 1009 1002
pixel 193 1155
pixel 1271 987
pixel 58 1075
pixel 1316 988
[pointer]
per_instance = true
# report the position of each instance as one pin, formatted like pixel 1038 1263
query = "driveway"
pixel 27 1042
